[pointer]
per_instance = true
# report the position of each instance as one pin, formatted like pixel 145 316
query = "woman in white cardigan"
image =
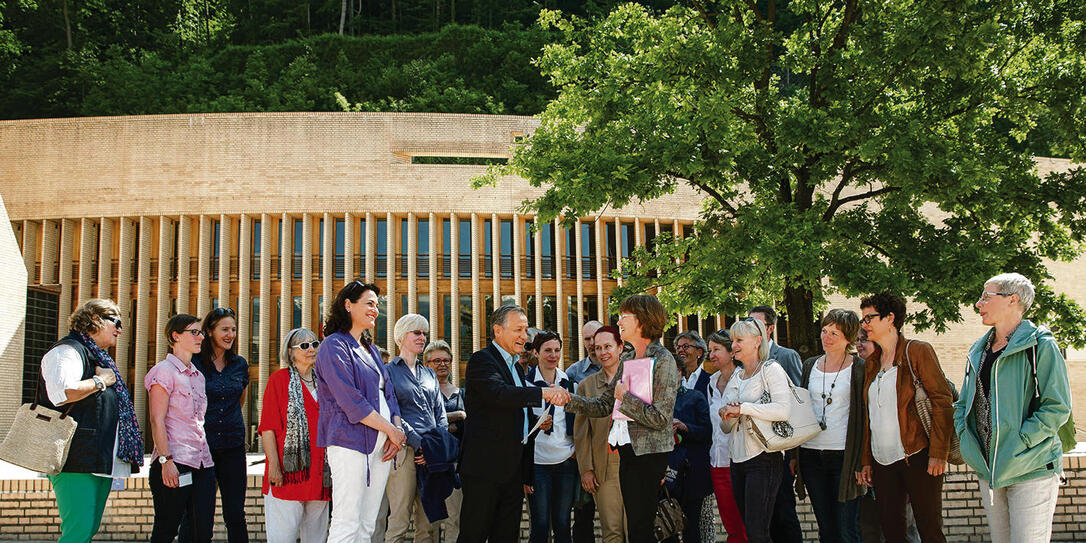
pixel 756 473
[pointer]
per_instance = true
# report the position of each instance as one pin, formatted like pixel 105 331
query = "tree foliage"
pixel 841 146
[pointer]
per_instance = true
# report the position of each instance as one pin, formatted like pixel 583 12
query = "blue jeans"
pixel 754 484
pixel 551 501
pixel 821 471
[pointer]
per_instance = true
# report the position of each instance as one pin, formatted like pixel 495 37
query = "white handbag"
pixel 800 427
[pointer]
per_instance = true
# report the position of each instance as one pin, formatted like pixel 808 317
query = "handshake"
pixel 556 395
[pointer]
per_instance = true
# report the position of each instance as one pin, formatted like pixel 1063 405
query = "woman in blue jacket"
pixel 1014 400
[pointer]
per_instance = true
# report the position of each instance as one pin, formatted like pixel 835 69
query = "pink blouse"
pixel 185 412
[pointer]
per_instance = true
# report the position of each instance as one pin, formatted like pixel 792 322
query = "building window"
pixel 381 242
pixel 529 251
pixel 360 264
pixel 570 253
pixel 299 239
pixel 446 248
pixel 506 242
pixel 588 250
pixel 465 327
pixel 488 253
pixel 340 247
pixel 254 260
pixel 447 323
pixel 296 313
pixel 318 263
pixel 424 308
pixel 422 248
pixel 464 248
pixel 401 260
pixel 216 231
pixel 254 326
pixel 380 329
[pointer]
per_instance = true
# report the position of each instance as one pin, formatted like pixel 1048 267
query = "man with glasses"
pixel 785 526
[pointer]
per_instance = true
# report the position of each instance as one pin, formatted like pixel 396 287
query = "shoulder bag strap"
pixel 916 380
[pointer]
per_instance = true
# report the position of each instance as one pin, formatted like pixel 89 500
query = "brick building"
pixel 271 213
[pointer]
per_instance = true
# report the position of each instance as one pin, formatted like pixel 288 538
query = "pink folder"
pixel 637 374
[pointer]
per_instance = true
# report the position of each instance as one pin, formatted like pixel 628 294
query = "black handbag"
pixel 670 520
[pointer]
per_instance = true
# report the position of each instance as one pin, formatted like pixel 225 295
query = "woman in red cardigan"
pixel 296 496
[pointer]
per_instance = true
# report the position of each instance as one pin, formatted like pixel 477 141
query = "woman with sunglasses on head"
pixel 182 477
pixel 82 380
pixel 423 411
pixel 359 422
pixel 438 357
pixel 899 460
pixel 226 379
pixel 295 491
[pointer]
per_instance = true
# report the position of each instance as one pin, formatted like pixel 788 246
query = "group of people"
pixel 360 449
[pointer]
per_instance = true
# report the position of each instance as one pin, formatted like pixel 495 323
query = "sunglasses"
pixel 115 320
pixel 222 312
pixel 307 344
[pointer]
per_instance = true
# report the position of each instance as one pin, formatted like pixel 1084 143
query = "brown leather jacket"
pixel 926 364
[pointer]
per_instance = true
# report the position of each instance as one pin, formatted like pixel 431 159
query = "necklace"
pixel 312 380
pixel 828 397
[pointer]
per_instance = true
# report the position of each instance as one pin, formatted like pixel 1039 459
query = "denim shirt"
pixel 223 423
pixel 348 384
pixel 418 393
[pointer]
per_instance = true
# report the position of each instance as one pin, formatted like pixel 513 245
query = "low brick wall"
pixel 28 512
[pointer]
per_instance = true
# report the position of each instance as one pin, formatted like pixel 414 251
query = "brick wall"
pixel 28 512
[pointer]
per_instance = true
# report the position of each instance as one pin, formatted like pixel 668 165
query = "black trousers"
pixel 583 522
pixel 785 527
pixel 230 474
pixel 640 478
pixel 903 480
pixel 197 500
pixel 755 485
pixel 490 510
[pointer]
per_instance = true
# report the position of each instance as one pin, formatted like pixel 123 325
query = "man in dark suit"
pixel 492 463
pixel 785 526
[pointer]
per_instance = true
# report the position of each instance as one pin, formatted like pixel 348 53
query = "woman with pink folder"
pixel 641 429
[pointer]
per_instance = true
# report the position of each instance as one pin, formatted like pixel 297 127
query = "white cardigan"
pixel 748 393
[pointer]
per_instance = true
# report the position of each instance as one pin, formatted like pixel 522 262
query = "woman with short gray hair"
pixel 1009 432
pixel 295 492
pixel 423 410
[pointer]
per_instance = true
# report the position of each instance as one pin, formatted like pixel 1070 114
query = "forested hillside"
pixel 63 58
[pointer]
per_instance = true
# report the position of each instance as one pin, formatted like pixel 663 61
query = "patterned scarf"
pixel 130 448
pixel 296 442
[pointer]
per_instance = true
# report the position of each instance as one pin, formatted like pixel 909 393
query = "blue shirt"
pixel 349 377
pixel 510 361
pixel 418 394
pixel 577 371
pixel 223 424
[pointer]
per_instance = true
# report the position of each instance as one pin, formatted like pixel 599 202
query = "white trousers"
pixel 286 520
pixel 1022 512
pixel 354 503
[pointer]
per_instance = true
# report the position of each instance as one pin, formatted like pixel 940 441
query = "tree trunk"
pixel 67 24
pixel 342 16
pixel 803 331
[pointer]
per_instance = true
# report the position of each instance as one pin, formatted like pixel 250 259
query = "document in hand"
pixel 637 374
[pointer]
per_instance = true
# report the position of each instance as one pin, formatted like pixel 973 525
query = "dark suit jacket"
pixel 496 407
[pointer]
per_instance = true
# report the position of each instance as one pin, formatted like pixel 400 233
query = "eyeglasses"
pixel 195 333
pixel 444 361
pixel 115 320
pixel 307 344
pixel 868 318
pixel 987 296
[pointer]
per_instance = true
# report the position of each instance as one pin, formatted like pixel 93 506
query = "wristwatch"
pixel 98 382
pixel 164 459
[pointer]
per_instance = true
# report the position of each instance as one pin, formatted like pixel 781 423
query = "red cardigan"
pixel 273 416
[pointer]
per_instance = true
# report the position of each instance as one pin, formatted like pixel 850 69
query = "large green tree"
pixel 840 146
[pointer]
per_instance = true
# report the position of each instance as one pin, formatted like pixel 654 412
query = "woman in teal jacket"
pixel 1007 416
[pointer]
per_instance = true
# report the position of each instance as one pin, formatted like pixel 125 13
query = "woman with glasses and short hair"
pixel 295 491
pixel 182 477
pixel 1010 432
pixel 899 459
pixel 359 421
pixel 423 411
pixel 438 357
pixel 226 379
pixel 81 379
